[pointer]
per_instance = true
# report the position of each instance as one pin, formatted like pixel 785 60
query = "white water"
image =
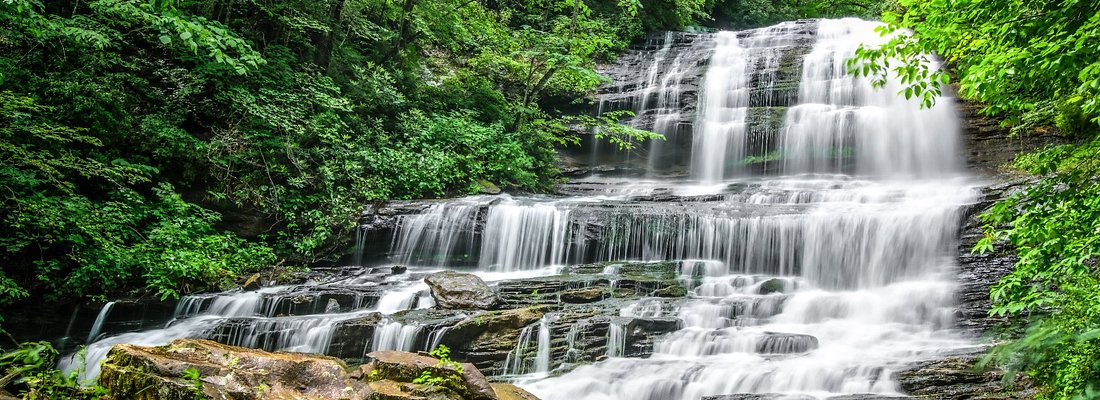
pixel 256 319
pixel 886 134
pixel 100 319
pixel 868 260
pixel 720 129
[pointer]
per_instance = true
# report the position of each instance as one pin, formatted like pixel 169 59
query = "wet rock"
pixel 773 285
pixel 958 378
pixel 225 372
pixel 786 343
pixel 456 290
pixel 585 295
pixel 487 187
pixel 350 337
pixel 390 390
pixel 641 333
pixel 508 391
pixel 333 306
pixel 399 366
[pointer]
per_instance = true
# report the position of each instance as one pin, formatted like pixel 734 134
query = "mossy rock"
pixel 225 372
pixel 392 390
pixel 399 366
pixel 773 285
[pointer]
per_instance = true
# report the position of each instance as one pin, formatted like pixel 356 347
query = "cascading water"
pixel 866 284
pixel 720 130
pixel 812 218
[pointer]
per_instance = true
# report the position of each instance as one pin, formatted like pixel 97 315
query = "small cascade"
pixel 524 236
pixel 574 352
pixel 100 319
pixel 435 337
pixel 542 355
pixel 720 130
pixel 443 234
pixel 360 245
pixel 616 338
pixel 393 335
pixel 516 362
pixel 401 299
pixel 520 361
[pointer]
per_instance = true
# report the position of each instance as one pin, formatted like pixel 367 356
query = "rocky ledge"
pixel 187 369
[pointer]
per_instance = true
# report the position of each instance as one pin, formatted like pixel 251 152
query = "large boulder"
pixel 456 290
pixel 463 379
pixel 186 367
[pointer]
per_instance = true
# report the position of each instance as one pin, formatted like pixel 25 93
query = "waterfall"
pixel 616 339
pixel 100 319
pixel 811 220
pixel 542 355
pixel 724 105
pixel 515 363
pixel 815 282
pixel 841 119
pixel 395 335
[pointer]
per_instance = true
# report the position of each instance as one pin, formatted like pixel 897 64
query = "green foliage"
pixel 1018 58
pixel 757 13
pixel 29 372
pixel 1054 226
pixel 160 147
pixel 451 380
pixel 194 377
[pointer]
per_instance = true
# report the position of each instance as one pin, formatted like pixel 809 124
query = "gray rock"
pixel 786 343
pixel 456 290
pixel 774 285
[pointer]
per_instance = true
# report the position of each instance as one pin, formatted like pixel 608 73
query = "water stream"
pixel 814 218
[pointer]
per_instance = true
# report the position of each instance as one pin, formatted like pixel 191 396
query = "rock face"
pixel 989 145
pixel 456 290
pixel 188 368
pixel 958 378
pixel 224 372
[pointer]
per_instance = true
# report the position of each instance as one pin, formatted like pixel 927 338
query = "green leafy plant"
pixel 451 380
pixel 29 371
pixel 194 377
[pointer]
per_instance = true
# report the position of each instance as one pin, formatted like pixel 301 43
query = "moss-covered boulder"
pixel 463 379
pixel 386 389
pixel 187 367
